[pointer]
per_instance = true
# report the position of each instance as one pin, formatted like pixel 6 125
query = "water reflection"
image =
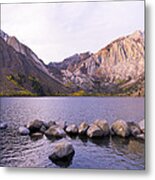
pixel 104 141
pixel 127 145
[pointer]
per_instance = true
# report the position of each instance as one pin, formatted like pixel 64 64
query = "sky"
pixel 55 31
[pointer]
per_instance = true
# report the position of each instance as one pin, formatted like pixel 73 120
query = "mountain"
pixel 117 69
pixel 22 72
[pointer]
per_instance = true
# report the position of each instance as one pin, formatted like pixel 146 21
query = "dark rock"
pixel 103 124
pixel 35 126
pixel 120 128
pixel 134 128
pixel 83 128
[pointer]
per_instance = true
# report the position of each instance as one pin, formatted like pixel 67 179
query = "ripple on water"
pixel 109 153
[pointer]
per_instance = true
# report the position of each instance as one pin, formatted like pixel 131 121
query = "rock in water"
pixel 55 132
pixel 35 126
pixel 134 128
pixel 83 128
pixel 3 125
pixel 94 131
pixel 50 123
pixel 142 125
pixel 120 128
pixel 24 131
pixel 103 124
pixel 62 150
pixel 72 129
pixel 141 136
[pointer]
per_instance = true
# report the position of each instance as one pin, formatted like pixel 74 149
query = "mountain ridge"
pixel 117 69
pixel 21 74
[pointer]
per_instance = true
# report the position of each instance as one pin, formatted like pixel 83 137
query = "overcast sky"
pixel 55 31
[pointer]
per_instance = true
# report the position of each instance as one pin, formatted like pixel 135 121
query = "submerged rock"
pixel 103 124
pixel 134 128
pixel 72 129
pixel 55 131
pixel 3 125
pixel 63 151
pixel 94 131
pixel 120 128
pixel 35 126
pixel 24 131
pixel 83 128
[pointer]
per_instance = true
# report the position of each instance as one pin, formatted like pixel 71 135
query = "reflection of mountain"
pixel 22 72
pixel 117 69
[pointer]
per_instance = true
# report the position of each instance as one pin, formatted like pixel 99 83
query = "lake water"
pixel 108 153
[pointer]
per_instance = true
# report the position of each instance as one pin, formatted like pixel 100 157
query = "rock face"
pixel 103 124
pixel 120 128
pixel 72 129
pixel 83 128
pixel 24 131
pixel 94 131
pixel 35 126
pixel 117 68
pixel 62 151
pixel 55 132
pixel 3 125
pixel 134 128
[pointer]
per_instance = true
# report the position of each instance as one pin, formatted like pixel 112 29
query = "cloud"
pixel 57 30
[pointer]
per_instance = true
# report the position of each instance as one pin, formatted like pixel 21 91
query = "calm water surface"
pixel 109 153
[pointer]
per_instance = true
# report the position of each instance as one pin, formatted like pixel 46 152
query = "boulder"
pixel 24 131
pixel 83 128
pixel 51 123
pixel 72 129
pixel 142 125
pixel 62 124
pixel 103 124
pixel 62 150
pixel 134 128
pixel 120 128
pixel 3 125
pixel 55 132
pixel 43 128
pixel 94 131
pixel 34 126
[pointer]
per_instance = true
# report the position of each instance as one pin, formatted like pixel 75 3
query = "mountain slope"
pixel 117 69
pixel 22 73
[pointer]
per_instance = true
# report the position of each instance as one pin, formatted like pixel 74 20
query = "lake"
pixel 108 153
